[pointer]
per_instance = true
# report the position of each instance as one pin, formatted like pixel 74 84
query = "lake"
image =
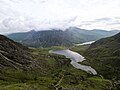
pixel 86 43
pixel 75 58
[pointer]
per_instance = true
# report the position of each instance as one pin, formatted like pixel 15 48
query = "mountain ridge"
pixel 68 37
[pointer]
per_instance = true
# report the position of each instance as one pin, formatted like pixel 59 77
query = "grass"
pixel 79 49
pixel 60 74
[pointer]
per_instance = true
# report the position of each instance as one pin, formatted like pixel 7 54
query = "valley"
pixel 59 44
pixel 47 72
pixel 43 69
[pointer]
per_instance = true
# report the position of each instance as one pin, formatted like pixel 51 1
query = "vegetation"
pixel 55 72
pixel 79 49
pixel 50 71
pixel 104 56
pixel 69 37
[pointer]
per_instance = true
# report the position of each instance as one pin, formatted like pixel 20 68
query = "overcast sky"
pixel 24 15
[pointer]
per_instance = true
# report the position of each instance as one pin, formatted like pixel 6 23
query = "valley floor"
pixel 54 73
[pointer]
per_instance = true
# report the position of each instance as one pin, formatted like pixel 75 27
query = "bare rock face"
pixel 13 54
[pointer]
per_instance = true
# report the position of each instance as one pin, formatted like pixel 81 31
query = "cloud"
pixel 102 23
pixel 24 15
pixel 103 19
pixel 22 24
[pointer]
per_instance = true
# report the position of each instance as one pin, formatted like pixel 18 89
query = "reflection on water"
pixel 86 43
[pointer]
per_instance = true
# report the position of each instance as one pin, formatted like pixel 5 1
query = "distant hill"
pixel 83 35
pixel 48 38
pixel 19 37
pixel 68 37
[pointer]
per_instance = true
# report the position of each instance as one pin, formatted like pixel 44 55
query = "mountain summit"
pixel 69 37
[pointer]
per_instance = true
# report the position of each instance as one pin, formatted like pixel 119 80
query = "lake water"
pixel 86 43
pixel 75 58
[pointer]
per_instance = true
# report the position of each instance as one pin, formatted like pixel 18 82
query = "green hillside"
pixel 104 56
pixel 41 70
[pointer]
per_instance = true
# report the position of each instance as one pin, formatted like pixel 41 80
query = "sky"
pixel 25 15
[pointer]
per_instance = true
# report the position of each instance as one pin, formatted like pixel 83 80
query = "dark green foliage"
pixel 22 68
pixel 104 56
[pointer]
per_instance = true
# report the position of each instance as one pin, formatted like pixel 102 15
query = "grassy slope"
pixel 104 58
pixel 56 72
pixel 104 55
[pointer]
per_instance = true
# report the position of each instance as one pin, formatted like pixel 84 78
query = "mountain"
pixel 19 37
pixel 23 68
pixel 13 54
pixel 68 37
pixel 104 56
pixel 48 38
pixel 107 47
pixel 16 56
pixel 83 35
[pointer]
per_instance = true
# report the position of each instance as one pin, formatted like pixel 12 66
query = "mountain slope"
pixel 48 38
pixel 106 47
pixel 13 54
pixel 104 55
pixel 36 69
pixel 83 35
pixel 68 37
pixel 20 36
